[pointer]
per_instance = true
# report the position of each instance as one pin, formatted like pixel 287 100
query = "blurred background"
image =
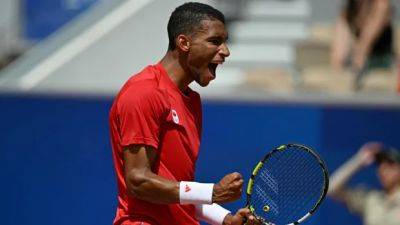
pixel 63 61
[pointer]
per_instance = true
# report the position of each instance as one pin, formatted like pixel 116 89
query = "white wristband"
pixel 195 193
pixel 213 214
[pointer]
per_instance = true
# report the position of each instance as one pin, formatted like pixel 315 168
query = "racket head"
pixel 287 185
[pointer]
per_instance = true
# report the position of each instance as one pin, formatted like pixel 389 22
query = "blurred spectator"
pixel 364 36
pixel 374 206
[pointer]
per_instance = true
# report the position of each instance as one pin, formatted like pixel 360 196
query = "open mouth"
pixel 213 68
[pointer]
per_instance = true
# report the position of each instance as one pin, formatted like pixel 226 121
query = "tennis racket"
pixel 287 185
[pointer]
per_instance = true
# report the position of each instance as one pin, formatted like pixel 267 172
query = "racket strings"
pixel 306 166
pixel 296 190
pixel 269 201
pixel 266 199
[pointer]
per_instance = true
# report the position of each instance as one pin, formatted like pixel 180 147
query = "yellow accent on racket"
pixel 250 186
pixel 282 147
pixel 259 165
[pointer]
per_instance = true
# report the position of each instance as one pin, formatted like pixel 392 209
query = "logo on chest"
pixel 175 117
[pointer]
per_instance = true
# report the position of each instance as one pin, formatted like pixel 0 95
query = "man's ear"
pixel 183 42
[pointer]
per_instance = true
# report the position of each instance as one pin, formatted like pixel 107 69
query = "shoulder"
pixel 361 188
pixel 147 78
pixel 143 95
pixel 145 84
pixel 375 194
pixel 364 192
pixel 142 89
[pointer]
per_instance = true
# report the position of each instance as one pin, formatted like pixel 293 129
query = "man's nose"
pixel 225 50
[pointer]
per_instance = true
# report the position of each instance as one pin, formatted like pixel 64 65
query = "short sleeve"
pixel 356 199
pixel 141 114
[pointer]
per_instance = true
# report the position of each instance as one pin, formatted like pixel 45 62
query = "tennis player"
pixel 156 124
pixel 376 207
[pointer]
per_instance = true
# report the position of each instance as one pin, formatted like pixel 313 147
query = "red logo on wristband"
pixel 187 188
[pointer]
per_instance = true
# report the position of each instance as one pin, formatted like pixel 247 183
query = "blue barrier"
pixel 56 157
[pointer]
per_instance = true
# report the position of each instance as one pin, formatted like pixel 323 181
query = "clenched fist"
pixel 228 189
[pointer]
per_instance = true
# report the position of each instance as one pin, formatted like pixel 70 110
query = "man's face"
pixel 208 49
pixel 389 174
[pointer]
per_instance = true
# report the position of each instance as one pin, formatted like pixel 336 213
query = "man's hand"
pixel 228 189
pixel 366 154
pixel 240 216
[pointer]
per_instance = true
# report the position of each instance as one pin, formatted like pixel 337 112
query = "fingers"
pixel 368 152
pixel 233 178
pixel 236 176
pixel 248 218
pixel 372 146
pixel 228 189
pixel 243 212
pixel 251 220
pixel 235 184
pixel 236 179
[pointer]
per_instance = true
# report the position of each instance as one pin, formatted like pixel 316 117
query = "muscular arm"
pixel 141 182
pixel 364 157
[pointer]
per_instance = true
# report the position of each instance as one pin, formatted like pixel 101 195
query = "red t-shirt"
pixel 151 110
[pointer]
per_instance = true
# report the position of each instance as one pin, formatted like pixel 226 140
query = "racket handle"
pixel 244 220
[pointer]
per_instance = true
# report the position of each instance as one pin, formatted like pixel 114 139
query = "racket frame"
pixel 260 164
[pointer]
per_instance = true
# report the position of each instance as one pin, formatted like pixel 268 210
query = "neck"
pixel 172 62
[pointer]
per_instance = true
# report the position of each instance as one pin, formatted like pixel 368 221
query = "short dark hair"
pixel 187 17
pixel 388 154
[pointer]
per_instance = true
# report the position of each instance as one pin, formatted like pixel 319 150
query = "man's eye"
pixel 215 42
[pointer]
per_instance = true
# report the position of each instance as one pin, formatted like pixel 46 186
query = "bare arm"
pixel 339 179
pixel 380 16
pixel 143 183
pixel 342 175
pixel 341 43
